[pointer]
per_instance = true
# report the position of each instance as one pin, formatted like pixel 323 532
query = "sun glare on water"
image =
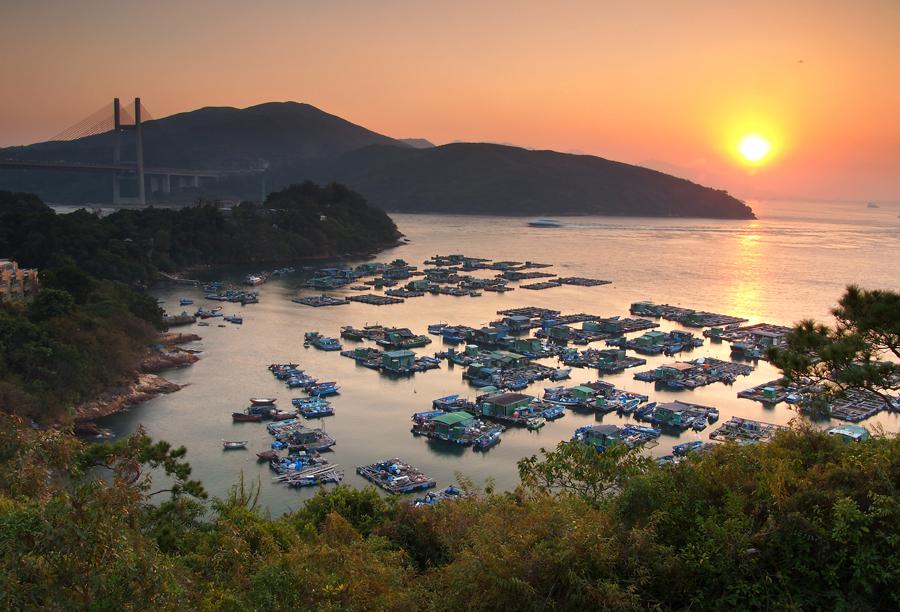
pixel 754 148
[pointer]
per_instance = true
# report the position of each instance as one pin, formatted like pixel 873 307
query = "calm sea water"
pixel 792 263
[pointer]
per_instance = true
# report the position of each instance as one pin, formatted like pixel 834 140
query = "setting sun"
pixel 754 148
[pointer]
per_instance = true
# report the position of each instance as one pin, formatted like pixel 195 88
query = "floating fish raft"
pixel 395 476
pixel 317 301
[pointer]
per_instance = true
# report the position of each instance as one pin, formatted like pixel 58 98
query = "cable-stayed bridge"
pixel 119 120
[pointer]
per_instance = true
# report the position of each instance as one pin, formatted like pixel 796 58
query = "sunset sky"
pixel 673 85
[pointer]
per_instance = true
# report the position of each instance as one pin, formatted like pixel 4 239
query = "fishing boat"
pixel 327 344
pixel 282 415
pixel 544 222
pixel 699 424
pixel 560 374
pixel 535 423
pixel 553 413
pixel 244 417
pixel 436 328
pixel 236 319
pixel 185 302
pixel 323 389
pixel 487 441
pixel 313 407
pixel 300 382
pixel 234 444
pixel 262 401
pixel 628 406
pixel 267 455
pixel 680 450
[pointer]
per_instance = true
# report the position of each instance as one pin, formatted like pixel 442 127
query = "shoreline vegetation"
pixel 141 385
pixel 85 344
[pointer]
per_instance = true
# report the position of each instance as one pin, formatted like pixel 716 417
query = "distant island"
pixel 299 142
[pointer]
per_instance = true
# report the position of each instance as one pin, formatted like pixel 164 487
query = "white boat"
pixel 234 444
pixel 543 222
pixel 536 423
pixel 262 401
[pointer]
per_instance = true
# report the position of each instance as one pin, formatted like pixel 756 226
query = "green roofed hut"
pixel 505 404
pixel 398 362
pixel 453 425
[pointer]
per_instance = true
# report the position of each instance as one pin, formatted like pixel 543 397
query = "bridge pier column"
pixel 117 192
pixel 167 183
pixel 196 181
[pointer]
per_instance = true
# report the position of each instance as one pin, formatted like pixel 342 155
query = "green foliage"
pixel 364 508
pixel 579 469
pixel 860 353
pixel 131 246
pixel 803 522
pixel 60 349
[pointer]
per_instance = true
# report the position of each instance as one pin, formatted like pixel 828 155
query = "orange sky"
pixel 669 84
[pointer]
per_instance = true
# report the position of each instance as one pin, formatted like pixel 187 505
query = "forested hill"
pixel 497 179
pixel 299 222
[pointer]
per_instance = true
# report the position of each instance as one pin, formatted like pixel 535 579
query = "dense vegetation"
pixel 805 522
pixel 301 142
pixel 88 328
pixel 302 221
pixel 78 337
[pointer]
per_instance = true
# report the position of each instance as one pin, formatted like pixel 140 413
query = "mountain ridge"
pixel 298 141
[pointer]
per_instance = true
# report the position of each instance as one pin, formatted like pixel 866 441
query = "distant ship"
pixel 871 205
pixel 544 223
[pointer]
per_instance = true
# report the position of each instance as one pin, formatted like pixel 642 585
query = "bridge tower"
pixel 118 129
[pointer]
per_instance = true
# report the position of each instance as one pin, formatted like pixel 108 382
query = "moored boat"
pixel 261 401
pixel 243 417
pixel 544 222
pixel 234 444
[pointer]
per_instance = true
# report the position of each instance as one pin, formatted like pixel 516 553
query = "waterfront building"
pixel 505 404
pixel 16 282
pixel 397 361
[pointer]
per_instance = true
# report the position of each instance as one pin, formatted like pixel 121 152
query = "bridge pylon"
pixel 118 129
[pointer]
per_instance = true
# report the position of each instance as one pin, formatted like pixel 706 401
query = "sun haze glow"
pixel 754 148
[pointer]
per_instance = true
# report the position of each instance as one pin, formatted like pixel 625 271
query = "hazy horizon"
pixel 672 88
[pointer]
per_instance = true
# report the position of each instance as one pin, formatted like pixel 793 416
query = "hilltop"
pixel 479 178
pixel 299 142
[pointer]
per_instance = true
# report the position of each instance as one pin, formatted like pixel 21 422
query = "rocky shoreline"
pixel 145 384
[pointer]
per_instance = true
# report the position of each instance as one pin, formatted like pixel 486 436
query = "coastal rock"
pixel 142 388
pixel 166 360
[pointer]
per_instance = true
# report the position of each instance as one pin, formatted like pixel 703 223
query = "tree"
pixel 49 304
pixel 579 469
pixel 859 353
